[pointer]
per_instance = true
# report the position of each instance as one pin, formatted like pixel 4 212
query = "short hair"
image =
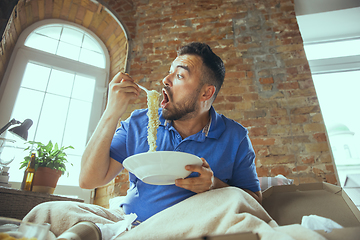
pixel 214 72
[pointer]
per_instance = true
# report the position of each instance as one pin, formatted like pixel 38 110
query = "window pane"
pixel 68 51
pixel 72 36
pixel 77 125
pixel 70 44
pixel 74 171
pixel 338 101
pixel 90 44
pixel 40 81
pixel 92 58
pixel 16 175
pixel 42 43
pixel 50 31
pixel 52 119
pixel 28 105
pixel 338 97
pixel 61 83
pixel 84 88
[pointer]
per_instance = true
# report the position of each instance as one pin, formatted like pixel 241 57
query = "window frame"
pixel 22 55
pixel 61 63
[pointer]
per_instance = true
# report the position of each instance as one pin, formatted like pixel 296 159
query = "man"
pixel 189 124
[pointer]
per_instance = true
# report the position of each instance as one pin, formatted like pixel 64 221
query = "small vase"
pixel 45 180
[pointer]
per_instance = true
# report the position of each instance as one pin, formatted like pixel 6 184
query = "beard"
pixel 185 109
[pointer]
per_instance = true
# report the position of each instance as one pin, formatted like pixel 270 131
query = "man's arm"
pixel 97 168
pixel 219 184
pixel 257 195
pixel 207 181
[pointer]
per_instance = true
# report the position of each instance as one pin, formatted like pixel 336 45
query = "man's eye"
pixel 179 76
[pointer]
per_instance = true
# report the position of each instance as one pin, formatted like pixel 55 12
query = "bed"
pixel 219 212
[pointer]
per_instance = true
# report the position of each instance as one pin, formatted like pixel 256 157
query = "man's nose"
pixel 167 80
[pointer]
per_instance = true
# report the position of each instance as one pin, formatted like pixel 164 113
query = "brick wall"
pixel 268 86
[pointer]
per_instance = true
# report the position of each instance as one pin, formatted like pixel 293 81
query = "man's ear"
pixel 208 92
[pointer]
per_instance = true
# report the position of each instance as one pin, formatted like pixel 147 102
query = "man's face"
pixel 182 88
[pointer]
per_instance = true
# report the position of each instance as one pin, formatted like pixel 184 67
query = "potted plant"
pixel 49 164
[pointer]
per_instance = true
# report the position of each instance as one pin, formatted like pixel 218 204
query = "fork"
pixel 146 90
pixel 143 88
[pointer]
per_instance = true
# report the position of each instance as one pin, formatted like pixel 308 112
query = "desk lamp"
pixel 21 131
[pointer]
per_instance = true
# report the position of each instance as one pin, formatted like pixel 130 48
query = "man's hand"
pixel 121 90
pixel 204 182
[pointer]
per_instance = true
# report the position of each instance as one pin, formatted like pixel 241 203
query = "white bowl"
pixel 162 167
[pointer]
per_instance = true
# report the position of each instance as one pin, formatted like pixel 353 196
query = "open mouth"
pixel 165 100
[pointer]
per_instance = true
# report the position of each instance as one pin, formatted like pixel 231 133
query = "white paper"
pixel 112 230
pixel 315 222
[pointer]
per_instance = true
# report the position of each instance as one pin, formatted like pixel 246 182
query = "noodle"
pixel 153 106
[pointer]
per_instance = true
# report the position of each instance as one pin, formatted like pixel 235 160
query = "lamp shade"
pixel 22 130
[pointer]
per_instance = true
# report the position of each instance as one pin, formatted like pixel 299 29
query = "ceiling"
pixel 328 20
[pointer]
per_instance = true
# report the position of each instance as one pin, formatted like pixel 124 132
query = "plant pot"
pixel 45 180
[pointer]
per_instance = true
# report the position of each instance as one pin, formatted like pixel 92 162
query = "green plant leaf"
pixel 49 155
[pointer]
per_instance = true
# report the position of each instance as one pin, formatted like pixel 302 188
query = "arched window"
pixel 57 76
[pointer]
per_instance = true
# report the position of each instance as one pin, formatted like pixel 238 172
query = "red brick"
pixel 263 141
pixel 278 112
pixel 234 98
pixel 307 160
pixel 330 168
pixel 295 139
pixel 331 178
pixel 262 171
pixel 244 67
pixel 275 160
pixel 318 171
pixel 255 114
pixel 280 170
pixel 269 80
pixel 258 131
pixel 299 118
pixel 291 85
pixel 261 151
pixel 249 74
pixel 300 168
pixel 232 90
pixel 307 92
pixel 156 21
pixel 235 74
pixel 320 137
pixel 295 62
pixel 306 110
pixel 251 96
pixel 314 127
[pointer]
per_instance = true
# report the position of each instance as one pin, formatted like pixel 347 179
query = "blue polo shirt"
pixel 225 146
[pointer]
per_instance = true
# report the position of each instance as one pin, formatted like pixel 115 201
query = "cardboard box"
pixel 289 203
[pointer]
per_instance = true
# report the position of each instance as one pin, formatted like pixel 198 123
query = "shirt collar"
pixel 205 130
pixel 213 129
pixel 207 127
